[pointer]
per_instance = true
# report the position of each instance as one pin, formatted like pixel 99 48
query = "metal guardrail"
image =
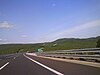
pixel 76 50
pixel 88 54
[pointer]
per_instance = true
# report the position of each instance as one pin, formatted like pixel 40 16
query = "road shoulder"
pixel 93 64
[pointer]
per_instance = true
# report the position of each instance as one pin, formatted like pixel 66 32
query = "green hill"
pixel 60 44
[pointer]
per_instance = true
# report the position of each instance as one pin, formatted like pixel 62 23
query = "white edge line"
pixel 50 69
pixel 4 65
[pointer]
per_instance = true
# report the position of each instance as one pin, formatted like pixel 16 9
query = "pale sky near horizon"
pixel 34 21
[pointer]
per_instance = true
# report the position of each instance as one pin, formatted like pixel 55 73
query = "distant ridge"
pixel 76 39
pixel 59 44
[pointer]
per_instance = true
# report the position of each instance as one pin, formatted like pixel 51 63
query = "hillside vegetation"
pixel 60 44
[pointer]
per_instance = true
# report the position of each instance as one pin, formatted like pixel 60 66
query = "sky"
pixel 35 21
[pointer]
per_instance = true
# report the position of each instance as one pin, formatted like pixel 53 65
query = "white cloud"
pixel 23 36
pixel 76 29
pixel 2 39
pixel 5 25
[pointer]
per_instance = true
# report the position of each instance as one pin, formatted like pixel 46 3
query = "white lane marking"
pixel 14 57
pixel 4 65
pixel 31 54
pixel 50 69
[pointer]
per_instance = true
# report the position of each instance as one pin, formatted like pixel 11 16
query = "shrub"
pixel 98 43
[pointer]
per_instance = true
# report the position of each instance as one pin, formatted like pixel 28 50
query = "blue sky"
pixel 32 21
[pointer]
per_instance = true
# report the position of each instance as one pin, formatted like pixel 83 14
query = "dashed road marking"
pixel 4 65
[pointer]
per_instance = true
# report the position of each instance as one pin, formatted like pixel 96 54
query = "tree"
pixel 98 43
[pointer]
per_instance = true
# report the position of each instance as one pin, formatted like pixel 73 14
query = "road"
pixel 31 65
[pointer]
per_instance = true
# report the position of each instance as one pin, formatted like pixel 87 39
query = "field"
pixel 60 44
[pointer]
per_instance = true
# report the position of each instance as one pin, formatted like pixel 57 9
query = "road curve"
pixel 23 66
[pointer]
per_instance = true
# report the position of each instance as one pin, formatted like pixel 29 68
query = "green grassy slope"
pixel 74 44
pixel 61 44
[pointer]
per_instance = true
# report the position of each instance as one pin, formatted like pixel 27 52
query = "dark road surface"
pixel 21 65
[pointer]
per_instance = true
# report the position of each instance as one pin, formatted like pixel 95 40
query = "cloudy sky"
pixel 32 21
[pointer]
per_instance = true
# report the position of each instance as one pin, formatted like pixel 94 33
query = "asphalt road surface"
pixel 31 65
